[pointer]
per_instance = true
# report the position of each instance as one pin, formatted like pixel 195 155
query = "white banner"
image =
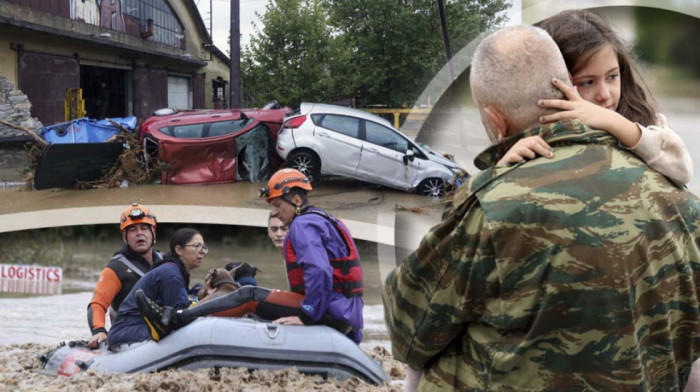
pixel 15 278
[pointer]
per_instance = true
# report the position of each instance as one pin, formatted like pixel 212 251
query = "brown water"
pixel 33 324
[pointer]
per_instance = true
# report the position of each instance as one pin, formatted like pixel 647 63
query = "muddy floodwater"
pixel 33 324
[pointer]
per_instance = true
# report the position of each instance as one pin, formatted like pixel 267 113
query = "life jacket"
pixel 128 273
pixel 121 273
pixel 347 270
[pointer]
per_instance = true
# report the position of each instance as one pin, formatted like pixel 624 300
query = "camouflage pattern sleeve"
pixel 430 297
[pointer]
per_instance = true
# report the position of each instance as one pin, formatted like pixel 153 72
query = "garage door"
pixel 47 92
pixel 179 93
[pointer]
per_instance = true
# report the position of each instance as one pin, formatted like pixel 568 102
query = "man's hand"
pixel 290 320
pixel 526 148
pixel 96 339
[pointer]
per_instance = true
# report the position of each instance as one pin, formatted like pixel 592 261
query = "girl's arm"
pixel 664 151
pixel 526 148
pixel 657 145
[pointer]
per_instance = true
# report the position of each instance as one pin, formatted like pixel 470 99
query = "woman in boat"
pixel 167 284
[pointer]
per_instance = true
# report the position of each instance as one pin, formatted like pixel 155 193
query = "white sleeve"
pixel 664 151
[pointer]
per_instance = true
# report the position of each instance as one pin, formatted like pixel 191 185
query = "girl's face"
pixel 193 252
pixel 599 80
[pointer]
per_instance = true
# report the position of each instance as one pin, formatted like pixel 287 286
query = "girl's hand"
pixel 575 108
pixel 526 148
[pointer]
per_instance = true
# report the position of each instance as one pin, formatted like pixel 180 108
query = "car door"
pixel 203 153
pixel 338 143
pixel 382 160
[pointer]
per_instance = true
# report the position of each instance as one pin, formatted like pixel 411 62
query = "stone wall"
pixel 14 108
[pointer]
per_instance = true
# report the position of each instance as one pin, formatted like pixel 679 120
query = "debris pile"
pixel 129 167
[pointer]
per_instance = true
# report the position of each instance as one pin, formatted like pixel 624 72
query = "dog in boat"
pixel 219 281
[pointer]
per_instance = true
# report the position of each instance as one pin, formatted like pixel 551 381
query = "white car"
pixel 327 139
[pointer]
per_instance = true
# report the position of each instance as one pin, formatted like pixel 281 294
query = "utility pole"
pixel 446 38
pixel 235 86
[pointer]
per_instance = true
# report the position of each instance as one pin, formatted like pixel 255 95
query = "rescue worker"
pixel 127 266
pixel 321 257
pixel 323 272
pixel 167 282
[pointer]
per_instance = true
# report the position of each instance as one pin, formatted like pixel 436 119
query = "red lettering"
pixel 2 271
pixel 11 272
pixel 20 272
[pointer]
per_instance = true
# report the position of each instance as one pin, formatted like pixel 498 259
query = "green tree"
pixel 379 51
pixel 294 56
pixel 398 45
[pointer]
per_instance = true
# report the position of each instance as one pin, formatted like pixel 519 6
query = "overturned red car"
pixel 214 146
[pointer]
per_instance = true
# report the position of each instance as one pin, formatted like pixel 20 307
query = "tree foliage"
pixel 667 37
pixel 378 51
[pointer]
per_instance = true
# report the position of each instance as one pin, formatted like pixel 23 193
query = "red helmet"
pixel 283 181
pixel 137 213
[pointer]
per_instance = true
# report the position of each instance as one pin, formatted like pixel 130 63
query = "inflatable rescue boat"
pixel 211 342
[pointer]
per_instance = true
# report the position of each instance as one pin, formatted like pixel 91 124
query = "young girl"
pixel 608 94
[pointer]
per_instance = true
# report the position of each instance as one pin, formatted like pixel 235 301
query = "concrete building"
pixel 129 57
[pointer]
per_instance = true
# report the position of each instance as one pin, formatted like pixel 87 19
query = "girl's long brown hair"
pixel 579 35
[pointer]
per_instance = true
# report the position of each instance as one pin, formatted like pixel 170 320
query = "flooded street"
pixel 34 324
pixel 26 318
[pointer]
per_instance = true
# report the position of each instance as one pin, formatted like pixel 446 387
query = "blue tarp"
pixel 85 130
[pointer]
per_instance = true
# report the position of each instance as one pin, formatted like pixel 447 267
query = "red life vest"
pixel 347 270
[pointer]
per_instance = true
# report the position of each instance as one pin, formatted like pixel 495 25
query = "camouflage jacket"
pixel 575 273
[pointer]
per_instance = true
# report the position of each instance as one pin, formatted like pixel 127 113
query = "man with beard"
pixel 127 266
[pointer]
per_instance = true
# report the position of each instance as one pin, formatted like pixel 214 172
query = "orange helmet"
pixel 136 213
pixel 283 181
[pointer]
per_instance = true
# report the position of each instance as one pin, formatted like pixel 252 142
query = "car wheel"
pixel 433 187
pixel 306 162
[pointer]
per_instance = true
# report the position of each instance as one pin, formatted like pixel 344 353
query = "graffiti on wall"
pixel 105 13
pixel 154 20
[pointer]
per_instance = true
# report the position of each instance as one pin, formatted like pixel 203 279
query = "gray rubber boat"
pixel 211 342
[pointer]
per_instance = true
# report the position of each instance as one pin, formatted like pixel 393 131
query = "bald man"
pixel 571 273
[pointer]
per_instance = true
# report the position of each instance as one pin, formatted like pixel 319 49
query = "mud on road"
pixel 20 370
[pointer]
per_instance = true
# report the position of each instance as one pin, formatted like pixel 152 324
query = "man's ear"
pixel 497 121
pixel 297 200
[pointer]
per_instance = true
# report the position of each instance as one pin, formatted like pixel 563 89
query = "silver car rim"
pixel 433 188
pixel 304 164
